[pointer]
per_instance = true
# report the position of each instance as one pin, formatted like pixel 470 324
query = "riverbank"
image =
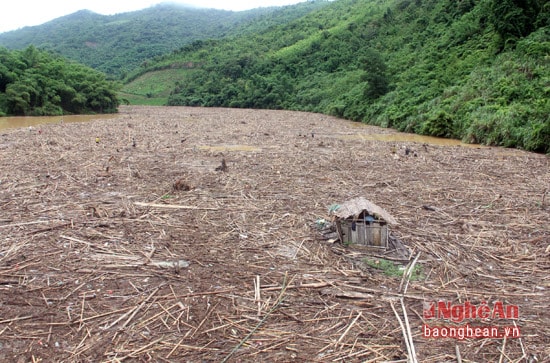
pixel 93 213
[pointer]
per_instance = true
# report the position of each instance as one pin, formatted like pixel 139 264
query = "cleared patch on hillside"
pixel 153 88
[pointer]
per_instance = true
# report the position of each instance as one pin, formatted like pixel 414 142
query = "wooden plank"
pixel 173 206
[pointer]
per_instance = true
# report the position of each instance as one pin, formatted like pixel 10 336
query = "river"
pixel 34 121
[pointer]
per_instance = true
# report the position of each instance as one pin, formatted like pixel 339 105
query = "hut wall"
pixel 373 234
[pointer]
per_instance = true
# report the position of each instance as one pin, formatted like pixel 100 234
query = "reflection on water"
pixel 220 148
pixel 26 121
pixel 401 137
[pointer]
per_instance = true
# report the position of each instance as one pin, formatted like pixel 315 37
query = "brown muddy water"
pixel 35 121
pixel 403 137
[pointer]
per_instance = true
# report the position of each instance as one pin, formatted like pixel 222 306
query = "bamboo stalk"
pixel 261 322
pixel 16 319
pixel 502 351
pixel 144 348
pixel 348 328
pixel 407 275
pixel 131 313
pixel 172 206
pixel 458 356
pixel 409 333
pixel 412 358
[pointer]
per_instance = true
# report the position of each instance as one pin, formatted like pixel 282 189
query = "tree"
pixel 35 82
pixel 514 18
pixel 377 83
pixel 19 97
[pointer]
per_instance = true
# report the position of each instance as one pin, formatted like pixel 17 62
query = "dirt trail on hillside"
pixel 187 235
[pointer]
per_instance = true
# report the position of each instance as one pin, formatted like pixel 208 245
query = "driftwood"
pixel 95 239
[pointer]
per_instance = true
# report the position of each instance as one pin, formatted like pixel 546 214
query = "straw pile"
pixel 184 234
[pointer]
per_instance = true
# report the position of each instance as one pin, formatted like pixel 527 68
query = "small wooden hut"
pixel 362 222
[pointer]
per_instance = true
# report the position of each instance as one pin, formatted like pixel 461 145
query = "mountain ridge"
pixel 122 41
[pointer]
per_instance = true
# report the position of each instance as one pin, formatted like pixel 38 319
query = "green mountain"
pixel 477 70
pixel 116 44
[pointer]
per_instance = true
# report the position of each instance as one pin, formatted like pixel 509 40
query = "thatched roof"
pixel 354 207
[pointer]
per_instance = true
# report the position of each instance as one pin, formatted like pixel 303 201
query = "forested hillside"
pixel 35 83
pixel 119 43
pixel 477 70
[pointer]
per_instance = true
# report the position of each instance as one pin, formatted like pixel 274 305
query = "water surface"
pixel 34 121
pixel 403 137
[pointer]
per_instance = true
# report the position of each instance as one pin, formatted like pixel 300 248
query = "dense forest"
pixel 117 44
pixel 35 83
pixel 476 70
